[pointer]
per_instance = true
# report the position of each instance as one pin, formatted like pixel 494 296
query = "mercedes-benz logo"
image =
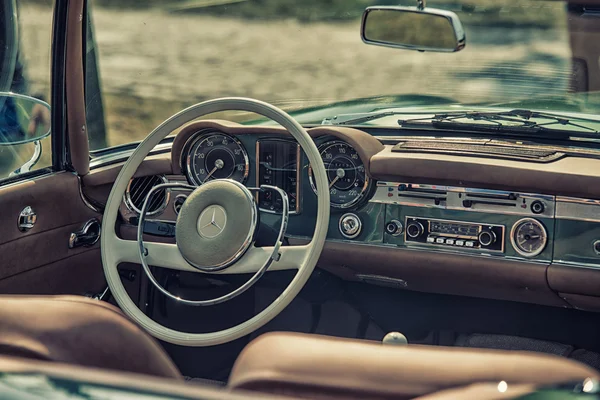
pixel 212 221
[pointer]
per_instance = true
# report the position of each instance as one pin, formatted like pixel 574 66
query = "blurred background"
pixel 157 57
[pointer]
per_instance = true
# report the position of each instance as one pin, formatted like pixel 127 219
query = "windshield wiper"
pixel 513 121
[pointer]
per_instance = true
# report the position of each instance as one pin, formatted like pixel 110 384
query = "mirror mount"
pixel 37 154
pixel 413 28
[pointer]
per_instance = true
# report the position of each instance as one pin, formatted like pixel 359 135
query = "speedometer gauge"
pixel 215 155
pixel 348 181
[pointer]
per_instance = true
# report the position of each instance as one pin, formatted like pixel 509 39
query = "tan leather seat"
pixel 80 331
pixel 320 367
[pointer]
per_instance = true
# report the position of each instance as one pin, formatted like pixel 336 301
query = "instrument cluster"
pixel 212 154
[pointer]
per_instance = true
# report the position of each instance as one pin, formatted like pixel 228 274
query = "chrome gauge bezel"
pixel 198 137
pixel 514 243
pixel 364 190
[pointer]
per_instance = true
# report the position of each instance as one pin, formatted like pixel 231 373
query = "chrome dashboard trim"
pixel 441 250
pixel 452 197
pixel 577 209
pixel 573 264
pixel 123 155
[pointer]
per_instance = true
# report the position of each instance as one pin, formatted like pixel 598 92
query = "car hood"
pixel 574 105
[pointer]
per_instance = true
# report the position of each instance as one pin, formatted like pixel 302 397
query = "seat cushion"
pixel 77 330
pixel 313 366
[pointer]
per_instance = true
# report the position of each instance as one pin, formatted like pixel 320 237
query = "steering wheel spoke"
pixel 290 258
pixel 163 255
pixel 166 255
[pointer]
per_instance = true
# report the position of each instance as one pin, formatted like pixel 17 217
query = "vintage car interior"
pixel 371 254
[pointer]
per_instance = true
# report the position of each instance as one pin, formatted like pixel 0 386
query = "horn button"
pixel 216 224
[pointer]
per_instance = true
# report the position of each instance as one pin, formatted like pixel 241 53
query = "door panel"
pixel 79 274
pixel 40 260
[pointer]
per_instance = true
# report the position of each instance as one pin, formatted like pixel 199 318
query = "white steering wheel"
pixel 205 241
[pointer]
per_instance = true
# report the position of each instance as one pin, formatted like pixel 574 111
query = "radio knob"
pixel 394 227
pixel 414 229
pixel 487 237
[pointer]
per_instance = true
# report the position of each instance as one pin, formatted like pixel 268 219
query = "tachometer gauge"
pixel 529 237
pixel 215 155
pixel 348 181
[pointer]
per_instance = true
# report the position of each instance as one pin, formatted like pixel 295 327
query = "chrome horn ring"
pixel 275 255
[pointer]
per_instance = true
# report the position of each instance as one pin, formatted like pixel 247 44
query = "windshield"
pixel 152 59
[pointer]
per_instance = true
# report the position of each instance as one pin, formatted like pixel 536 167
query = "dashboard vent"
pixel 138 189
pixel 521 153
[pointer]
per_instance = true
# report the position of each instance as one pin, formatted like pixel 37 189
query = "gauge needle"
pixel 337 178
pixel 210 174
pixel 218 165
pixel 339 174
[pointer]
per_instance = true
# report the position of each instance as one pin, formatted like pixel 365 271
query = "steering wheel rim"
pixel 303 258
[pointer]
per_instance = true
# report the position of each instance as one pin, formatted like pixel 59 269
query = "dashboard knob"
pixel 350 225
pixel 597 247
pixel 394 227
pixel 537 207
pixel 414 229
pixel 487 237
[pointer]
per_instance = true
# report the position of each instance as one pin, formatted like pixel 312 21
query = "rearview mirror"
pixel 413 28
pixel 23 119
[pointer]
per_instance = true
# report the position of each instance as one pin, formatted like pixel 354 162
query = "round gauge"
pixel 348 181
pixel 215 155
pixel 529 237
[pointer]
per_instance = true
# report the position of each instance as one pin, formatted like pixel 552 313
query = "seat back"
pixel 321 367
pixel 80 331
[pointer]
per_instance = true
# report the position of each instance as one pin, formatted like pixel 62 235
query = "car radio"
pixel 458 234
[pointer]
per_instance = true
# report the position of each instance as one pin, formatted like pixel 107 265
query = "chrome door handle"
pixel 87 236
pixel 27 219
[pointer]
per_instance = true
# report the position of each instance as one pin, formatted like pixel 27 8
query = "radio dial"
pixel 394 227
pixel 414 229
pixel 486 237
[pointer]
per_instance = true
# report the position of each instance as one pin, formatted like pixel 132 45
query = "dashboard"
pixel 408 228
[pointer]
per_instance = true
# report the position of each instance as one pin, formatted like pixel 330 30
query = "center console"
pixel 463 220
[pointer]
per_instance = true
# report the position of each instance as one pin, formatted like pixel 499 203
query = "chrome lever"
pixel 87 236
pixel 27 219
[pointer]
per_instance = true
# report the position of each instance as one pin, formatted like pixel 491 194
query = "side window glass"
pixel 25 48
